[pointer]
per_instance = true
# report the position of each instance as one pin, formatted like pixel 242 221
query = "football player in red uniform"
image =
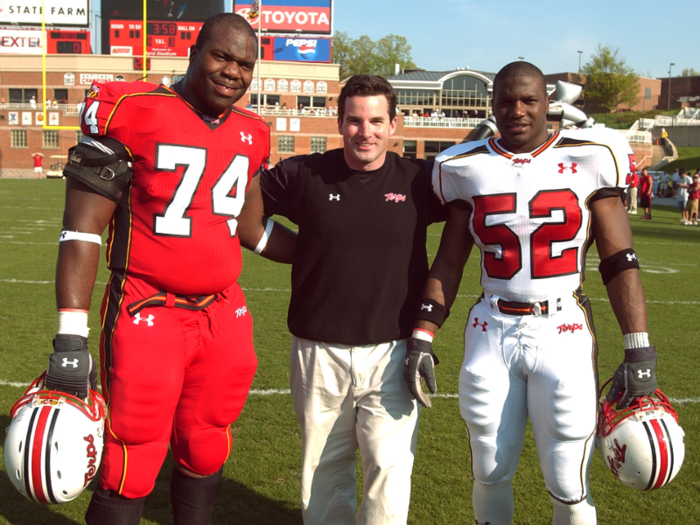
pixel 533 202
pixel 167 170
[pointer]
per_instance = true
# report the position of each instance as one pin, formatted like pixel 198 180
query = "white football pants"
pixel 544 367
pixel 347 397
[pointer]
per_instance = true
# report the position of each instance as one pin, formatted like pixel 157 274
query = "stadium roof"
pixel 435 79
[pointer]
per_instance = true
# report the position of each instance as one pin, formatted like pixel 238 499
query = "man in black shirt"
pixel 358 267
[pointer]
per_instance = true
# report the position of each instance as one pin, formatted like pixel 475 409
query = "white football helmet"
pixel 641 445
pixel 54 443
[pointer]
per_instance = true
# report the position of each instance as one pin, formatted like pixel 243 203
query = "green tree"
pixel 392 50
pixel 609 80
pixel 690 72
pixel 365 56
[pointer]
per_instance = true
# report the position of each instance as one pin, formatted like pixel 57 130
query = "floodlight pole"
pixel 579 61
pixel 668 106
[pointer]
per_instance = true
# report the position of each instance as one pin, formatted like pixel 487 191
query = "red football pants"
pixel 171 375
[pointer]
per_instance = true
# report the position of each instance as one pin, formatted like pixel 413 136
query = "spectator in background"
pixel 681 189
pixel 632 184
pixel 646 185
pixel 693 197
pixel 674 181
pixel 663 184
pixel 38 158
pixel 54 103
pixel 32 102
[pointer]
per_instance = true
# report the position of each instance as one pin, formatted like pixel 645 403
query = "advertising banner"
pixel 291 16
pixel 298 49
pixel 74 13
pixel 21 41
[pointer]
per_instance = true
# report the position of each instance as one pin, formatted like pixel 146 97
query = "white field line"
pixel 286 392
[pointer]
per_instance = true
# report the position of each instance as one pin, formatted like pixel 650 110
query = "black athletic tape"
pixel 431 310
pixel 101 163
pixel 616 263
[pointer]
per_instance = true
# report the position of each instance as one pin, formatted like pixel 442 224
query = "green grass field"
pixel 261 477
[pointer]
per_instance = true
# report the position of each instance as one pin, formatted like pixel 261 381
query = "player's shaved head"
pixel 519 69
pixel 234 21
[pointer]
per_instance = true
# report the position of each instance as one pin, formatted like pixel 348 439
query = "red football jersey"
pixel 175 226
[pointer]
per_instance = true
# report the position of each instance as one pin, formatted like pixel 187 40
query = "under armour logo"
pixel 631 257
pixel 335 197
pixel 394 197
pixel 563 167
pixel 138 319
pixel 482 325
pixel 641 374
pixel 241 311
pixel 428 307
pixel 63 235
pixel 247 138
pixel 73 363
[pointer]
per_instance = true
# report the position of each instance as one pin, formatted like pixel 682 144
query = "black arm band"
pixel 431 310
pixel 616 263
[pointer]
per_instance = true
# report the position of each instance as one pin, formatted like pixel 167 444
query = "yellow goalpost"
pixel 43 65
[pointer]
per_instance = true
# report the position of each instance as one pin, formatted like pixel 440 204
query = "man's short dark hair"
pixel 519 69
pixel 367 86
pixel 236 22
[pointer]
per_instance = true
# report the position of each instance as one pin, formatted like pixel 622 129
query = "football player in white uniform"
pixel 533 202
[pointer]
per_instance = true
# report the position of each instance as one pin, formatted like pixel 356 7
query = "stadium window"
pixel 60 94
pixel 433 148
pixel 318 102
pixel 318 144
pixel 18 138
pixel 50 139
pixel 22 96
pixel 305 101
pixel 410 148
pixel 285 144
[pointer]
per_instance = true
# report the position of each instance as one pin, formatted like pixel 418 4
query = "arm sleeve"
pixel 281 189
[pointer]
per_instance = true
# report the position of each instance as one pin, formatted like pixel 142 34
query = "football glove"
pixel 71 368
pixel 420 362
pixel 635 377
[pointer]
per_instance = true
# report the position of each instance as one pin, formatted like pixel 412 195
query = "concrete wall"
pixel 682 136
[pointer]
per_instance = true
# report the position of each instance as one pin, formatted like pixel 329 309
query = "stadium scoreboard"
pixel 165 39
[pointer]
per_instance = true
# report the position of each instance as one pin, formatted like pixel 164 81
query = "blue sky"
pixel 486 35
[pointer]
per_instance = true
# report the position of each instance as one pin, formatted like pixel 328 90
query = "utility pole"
pixel 579 61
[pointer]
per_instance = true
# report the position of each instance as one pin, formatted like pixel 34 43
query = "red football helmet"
pixel 54 443
pixel 641 445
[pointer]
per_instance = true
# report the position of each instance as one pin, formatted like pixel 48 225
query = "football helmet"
pixel 641 445
pixel 54 443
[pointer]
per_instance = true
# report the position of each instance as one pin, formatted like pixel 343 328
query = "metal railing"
pixel 445 122
pixel 636 136
pixel 306 112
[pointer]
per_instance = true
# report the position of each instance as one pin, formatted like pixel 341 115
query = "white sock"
pixel 493 504
pixel 583 513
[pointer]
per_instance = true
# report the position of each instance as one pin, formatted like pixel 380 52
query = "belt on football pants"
pixel 170 300
pixel 515 308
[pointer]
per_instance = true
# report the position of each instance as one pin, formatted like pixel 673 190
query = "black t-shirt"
pixel 360 261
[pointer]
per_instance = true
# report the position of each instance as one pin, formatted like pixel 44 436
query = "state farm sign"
pixel 74 13
pixel 312 16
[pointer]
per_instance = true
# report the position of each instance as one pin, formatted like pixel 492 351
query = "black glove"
pixel 71 369
pixel 635 377
pixel 420 360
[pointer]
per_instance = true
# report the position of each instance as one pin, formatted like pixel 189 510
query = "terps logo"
pixel 395 197
pixel 618 459
pixel 563 328
pixel 92 459
pixel 522 161
pixel 563 167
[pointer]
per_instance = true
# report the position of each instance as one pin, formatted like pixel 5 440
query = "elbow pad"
pixel 101 163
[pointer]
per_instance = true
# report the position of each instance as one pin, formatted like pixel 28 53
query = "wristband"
pixel 265 237
pixel 79 236
pixel 73 322
pixel 636 340
pixel 431 310
pixel 423 335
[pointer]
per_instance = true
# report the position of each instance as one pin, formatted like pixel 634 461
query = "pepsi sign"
pixel 302 49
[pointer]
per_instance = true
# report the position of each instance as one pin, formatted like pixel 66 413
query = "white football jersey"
pixel 530 215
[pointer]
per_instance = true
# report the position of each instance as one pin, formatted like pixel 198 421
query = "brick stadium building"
pixel 298 101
